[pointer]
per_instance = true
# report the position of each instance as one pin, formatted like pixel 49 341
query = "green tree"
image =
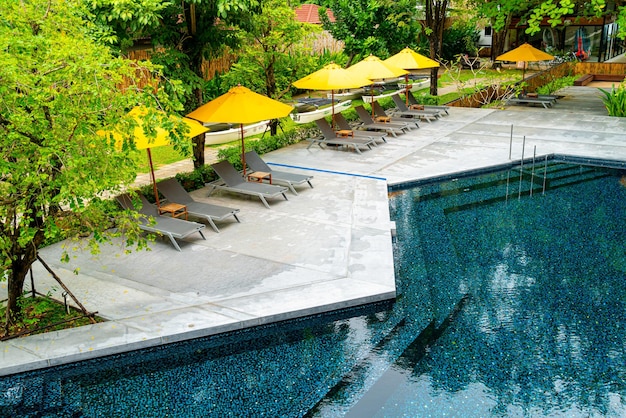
pixel 183 34
pixel 435 13
pixel 555 10
pixel 368 27
pixel 500 13
pixel 57 90
pixel 272 45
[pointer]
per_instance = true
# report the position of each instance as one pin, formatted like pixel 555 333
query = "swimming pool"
pixel 509 304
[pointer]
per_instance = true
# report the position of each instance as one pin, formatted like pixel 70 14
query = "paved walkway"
pixel 327 248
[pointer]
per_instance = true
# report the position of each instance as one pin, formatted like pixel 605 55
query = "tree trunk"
pixel 435 20
pixel 198 151
pixel 498 40
pixel 15 285
pixel 434 75
pixel 270 89
pixel 198 141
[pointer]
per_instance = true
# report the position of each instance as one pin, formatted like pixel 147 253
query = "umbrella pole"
pixel 152 176
pixel 243 151
pixel 332 105
pixel 406 89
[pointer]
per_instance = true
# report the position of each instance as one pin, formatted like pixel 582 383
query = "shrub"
pixel 556 84
pixel 615 100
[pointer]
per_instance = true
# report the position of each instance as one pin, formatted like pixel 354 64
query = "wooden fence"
pixel 581 68
pixel 209 67
pixel 542 78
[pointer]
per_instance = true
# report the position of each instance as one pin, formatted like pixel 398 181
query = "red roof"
pixel 308 13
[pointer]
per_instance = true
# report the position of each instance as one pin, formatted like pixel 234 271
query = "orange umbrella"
pixel 526 53
pixel 240 105
pixel 408 59
pixel 161 137
pixel 373 68
pixel 331 77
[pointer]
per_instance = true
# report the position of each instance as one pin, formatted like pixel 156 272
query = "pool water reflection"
pixel 508 305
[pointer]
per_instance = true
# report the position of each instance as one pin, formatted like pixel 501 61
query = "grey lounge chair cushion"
pixel 403 110
pixel 380 112
pixel 343 124
pixel 330 137
pixel 546 103
pixel 234 182
pixel 369 123
pixel 174 192
pixel 256 163
pixel 164 225
pixel 413 101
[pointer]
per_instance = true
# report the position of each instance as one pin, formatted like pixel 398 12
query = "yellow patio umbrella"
pixel 332 77
pixel 410 60
pixel 373 68
pixel 161 138
pixel 526 53
pixel 240 105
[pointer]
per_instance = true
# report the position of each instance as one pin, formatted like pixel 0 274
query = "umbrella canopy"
pixel 408 59
pixel 161 138
pixel 526 53
pixel 373 68
pixel 411 60
pixel 240 105
pixel 331 77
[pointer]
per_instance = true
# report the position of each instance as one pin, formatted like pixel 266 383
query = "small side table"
pixel 345 132
pixel 176 210
pixel 383 119
pixel 259 176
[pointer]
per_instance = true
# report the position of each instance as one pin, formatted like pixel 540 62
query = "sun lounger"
pixel 546 103
pixel 413 102
pixel 344 125
pixel 233 181
pixel 173 228
pixel 379 112
pixel 368 123
pixel 549 97
pixel 174 192
pixel 330 137
pixel 256 163
pixel 402 110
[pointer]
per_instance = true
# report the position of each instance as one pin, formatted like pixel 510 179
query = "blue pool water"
pixel 509 304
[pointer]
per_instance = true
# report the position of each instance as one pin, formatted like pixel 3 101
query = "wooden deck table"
pixel 259 176
pixel 176 210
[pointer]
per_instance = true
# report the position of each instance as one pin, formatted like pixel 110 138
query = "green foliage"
pixel 58 90
pixel 615 100
pixel 261 146
pixel 555 10
pixel 557 84
pixel 381 28
pixel 43 314
pixel 114 22
pixel 427 99
pixel 197 178
pixel 272 50
pixel 460 38
pixel 176 66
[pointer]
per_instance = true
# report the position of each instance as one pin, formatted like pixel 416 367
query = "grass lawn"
pixel 42 314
